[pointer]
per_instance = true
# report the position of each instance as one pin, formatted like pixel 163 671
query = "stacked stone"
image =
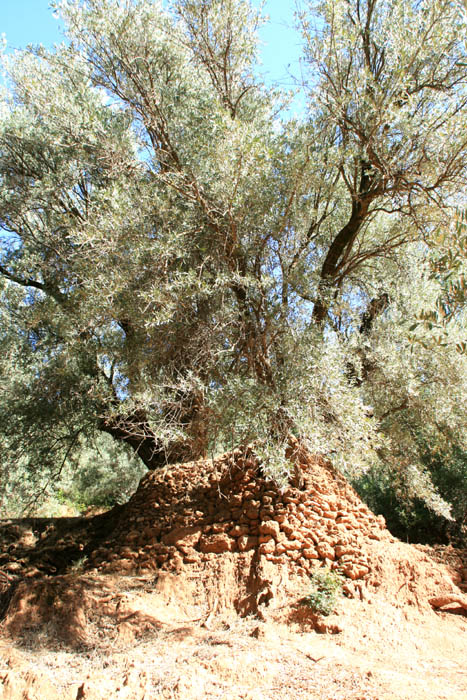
pixel 192 514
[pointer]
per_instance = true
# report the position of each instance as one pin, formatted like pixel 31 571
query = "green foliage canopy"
pixel 185 267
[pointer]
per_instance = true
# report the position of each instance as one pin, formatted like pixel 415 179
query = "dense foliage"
pixel 98 474
pixel 186 267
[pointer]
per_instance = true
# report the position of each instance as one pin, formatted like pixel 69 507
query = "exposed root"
pixel 442 601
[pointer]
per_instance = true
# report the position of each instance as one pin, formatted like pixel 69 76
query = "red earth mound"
pixel 220 536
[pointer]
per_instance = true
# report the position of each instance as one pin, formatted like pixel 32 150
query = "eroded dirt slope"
pixel 201 546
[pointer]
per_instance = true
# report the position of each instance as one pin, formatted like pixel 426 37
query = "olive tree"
pixel 185 267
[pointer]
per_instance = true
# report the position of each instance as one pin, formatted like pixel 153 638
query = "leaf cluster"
pixel 325 590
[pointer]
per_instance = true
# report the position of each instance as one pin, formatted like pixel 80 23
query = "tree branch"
pixel 43 287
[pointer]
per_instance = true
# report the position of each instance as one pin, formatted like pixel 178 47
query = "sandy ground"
pixel 382 653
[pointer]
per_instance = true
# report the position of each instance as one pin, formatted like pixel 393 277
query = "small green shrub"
pixel 78 564
pixel 326 587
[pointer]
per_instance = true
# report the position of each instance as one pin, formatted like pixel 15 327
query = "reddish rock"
pixel 311 535
pixel 244 543
pixel 267 547
pixel 291 499
pixel 344 550
pixel 349 521
pixel 354 571
pixel 293 545
pixel 374 536
pixel 325 550
pixel 188 536
pixel 223 515
pixel 216 544
pixel 238 531
pixel 315 505
pixel 150 533
pixel 310 553
pixel 252 513
pixel 266 513
pixel 330 514
pixel 266 538
pixel 288 529
pixel 270 527
pixel 235 500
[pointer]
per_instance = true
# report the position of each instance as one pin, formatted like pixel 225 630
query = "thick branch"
pixel 47 289
pixel 135 431
pixel 375 308
pixel 341 243
pixel 344 240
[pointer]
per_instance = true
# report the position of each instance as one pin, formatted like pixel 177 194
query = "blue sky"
pixel 28 22
pixel 32 22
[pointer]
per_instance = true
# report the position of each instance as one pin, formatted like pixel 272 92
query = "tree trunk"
pixel 134 430
pixel 341 246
